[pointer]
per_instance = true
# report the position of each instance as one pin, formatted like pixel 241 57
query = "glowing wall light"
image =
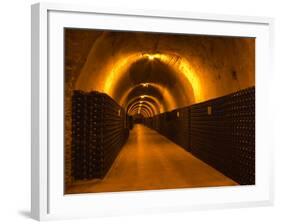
pixel 117 68
pixel 150 57
pixel 144 84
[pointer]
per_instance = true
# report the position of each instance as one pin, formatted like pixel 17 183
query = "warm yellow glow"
pixel 150 57
pixel 144 84
pixel 143 111
pixel 183 67
pixel 170 101
pixel 123 101
pixel 114 70
pixel 117 69
pixel 152 108
pixel 177 63
pixel 156 105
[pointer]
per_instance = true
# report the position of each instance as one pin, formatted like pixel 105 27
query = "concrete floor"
pixel 149 161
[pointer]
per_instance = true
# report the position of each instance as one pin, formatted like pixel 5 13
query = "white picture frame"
pixel 48 200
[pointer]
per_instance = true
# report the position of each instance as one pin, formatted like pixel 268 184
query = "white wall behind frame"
pixel 15 117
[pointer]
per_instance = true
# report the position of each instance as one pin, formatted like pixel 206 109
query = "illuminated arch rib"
pixel 152 92
pixel 140 105
pixel 152 107
pixel 112 74
pixel 142 110
pixel 154 103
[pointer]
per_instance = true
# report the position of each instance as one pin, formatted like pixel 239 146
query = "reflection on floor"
pixel 149 161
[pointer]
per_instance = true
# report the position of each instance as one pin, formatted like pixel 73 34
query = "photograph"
pixel 157 111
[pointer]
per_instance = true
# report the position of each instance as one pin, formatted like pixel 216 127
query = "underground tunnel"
pixel 149 111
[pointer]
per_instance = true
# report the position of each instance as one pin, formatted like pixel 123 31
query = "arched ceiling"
pixel 142 104
pixel 153 104
pixel 166 71
pixel 143 111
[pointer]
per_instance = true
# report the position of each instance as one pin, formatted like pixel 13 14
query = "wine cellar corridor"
pixel 153 167
pixel 151 111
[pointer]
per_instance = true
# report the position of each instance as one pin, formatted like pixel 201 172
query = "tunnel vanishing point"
pixel 149 111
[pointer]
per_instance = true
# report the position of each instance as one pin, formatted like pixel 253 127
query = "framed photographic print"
pixel 148 111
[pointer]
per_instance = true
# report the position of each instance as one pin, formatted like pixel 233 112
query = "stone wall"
pixel 77 47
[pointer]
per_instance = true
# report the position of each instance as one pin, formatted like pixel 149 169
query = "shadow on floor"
pixel 24 213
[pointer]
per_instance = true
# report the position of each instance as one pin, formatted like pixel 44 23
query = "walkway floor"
pixel 150 161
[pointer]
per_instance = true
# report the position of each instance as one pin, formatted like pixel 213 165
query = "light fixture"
pixel 150 57
pixel 144 84
pixel 139 109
